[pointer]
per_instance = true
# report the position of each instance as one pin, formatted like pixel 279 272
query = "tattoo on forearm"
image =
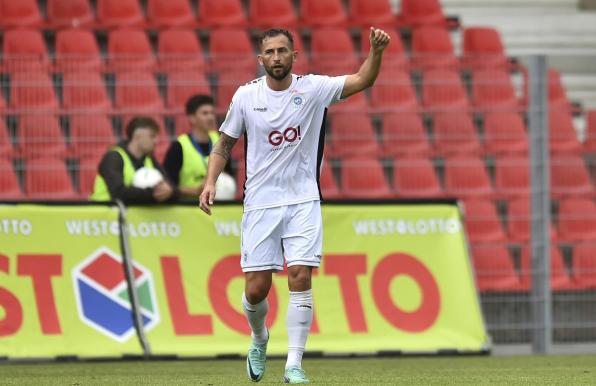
pixel 223 147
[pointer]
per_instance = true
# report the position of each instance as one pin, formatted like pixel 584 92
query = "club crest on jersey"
pixel 297 100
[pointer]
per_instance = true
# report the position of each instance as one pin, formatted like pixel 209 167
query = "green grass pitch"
pixel 521 370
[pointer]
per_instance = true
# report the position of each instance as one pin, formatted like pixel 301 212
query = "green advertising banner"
pixel 394 277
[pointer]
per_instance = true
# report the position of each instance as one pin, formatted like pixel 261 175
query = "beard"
pixel 281 75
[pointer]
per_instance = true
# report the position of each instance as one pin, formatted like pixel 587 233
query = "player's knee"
pixel 256 292
pixel 299 278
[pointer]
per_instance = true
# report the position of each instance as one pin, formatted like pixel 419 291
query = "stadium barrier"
pixel 395 278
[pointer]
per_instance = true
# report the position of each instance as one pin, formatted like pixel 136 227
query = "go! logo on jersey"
pixel 290 134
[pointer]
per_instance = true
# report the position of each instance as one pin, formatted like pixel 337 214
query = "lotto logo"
pixel 290 134
pixel 102 295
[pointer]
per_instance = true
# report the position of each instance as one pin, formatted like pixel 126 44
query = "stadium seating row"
pixel 219 13
pixel 441 90
pixel 349 134
pixel 496 272
pixel 77 49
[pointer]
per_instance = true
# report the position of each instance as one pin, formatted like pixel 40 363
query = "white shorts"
pixel 294 231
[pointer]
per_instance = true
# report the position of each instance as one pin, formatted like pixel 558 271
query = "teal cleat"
pixel 255 361
pixel 295 375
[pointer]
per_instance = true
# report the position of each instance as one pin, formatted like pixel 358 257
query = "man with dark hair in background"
pixel 118 167
pixel 187 157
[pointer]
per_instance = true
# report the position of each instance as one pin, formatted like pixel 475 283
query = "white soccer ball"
pixel 225 187
pixel 146 178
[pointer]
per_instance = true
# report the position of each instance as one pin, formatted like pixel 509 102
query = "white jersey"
pixel 284 132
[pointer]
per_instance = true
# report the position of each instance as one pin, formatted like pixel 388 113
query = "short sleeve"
pixel 233 125
pixel 329 88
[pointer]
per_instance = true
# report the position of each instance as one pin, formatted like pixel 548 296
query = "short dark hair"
pixel 138 122
pixel 196 101
pixel 272 32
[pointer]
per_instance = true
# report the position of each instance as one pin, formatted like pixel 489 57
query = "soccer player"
pixel 282 116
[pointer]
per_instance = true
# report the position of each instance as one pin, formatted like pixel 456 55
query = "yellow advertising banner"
pixel 394 277
pixel 50 304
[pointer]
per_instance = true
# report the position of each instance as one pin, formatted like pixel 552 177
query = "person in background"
pixel 186 159
pixel 118 166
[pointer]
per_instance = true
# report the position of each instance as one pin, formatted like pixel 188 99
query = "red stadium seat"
pixel 454 133
pixel 268 14
pixel 577 220
pixel 302 64
pixel 333 52
pixel 227 84
pixel 494 268
pixel 77 51
pixel 47 178
pixel 231 50
pixel 395 53
pixel 466 177
pixel 393 91
pixel 222 13
pixel 318 13
pixel 584 266
pixel 170 13
pixel 590 143
pixel 119 13
pixel 180 50
pixel 504 132
pixel 352 134
pixel 432 48
pixel 32 91
pixel 40 136
pixel 492 90
pixel 569 177
pixel 84 90
pixel 415 178
pixel 18 13
pixel 357 103
pixel 69 13
pixel 327 183
pixel 129 50
pixel 372 12
pixel 559 277
pixel 364 178
pixel 24 50
pixel 403 133
pixel 183 85
pixel 90 135
pixel 563 138
pixel 512 176
pixel 137 91
pixel 87 172
pixel 414 13
pixel 443 90
pixel 557 97
pixel 518 218
pixel 8 181
pixel 482 48
pixel 482 222
pixel 6 149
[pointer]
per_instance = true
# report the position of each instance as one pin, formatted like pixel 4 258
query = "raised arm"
pixel 367 74
pixel 217 161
